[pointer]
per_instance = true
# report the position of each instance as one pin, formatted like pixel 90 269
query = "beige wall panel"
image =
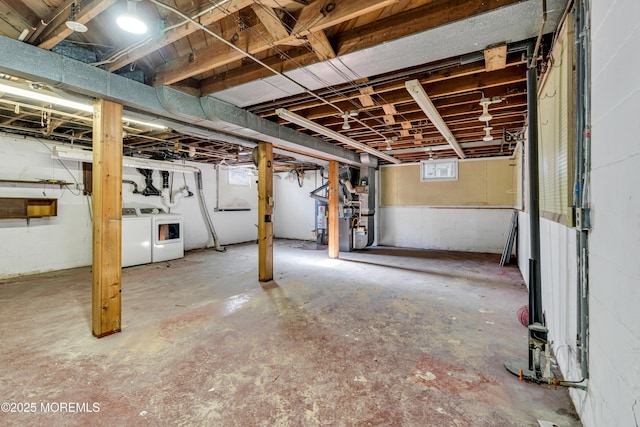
pixel 480 183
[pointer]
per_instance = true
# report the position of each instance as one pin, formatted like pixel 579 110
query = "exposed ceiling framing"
pixel 325 60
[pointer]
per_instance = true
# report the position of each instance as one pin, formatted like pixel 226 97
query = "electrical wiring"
pixel 283 54
pixel 65 167
pixel 569 351
pixel 116 56
pixel 244 52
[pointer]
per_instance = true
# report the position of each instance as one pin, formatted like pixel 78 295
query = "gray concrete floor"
pixel 386 336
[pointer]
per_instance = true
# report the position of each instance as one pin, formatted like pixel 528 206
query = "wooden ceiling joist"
pixel 321 45
pixel 258 39
pixel 216 14
pixel 495 58
pixel 56 33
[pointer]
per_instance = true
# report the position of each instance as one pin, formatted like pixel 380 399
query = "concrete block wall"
pixel 64 241
pixel 457 229
pixel 52 243
pixel 614 387
pixel 559 286
pixel 614 242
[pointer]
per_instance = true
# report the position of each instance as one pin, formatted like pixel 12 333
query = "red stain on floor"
pixel 458 381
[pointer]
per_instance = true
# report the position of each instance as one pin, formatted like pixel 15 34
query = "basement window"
pixel 439 170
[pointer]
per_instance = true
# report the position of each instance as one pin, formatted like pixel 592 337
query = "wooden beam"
pixel 16 17
pixel 216 14
pixel 323 14
pixel 428 16
pixel 495 58
pixel 365 96
pixel 53 18
pixel 271 21
pixel 389 109
pixel 389 114
pixel 253 42
pixel 89 10
pixel 321 45
pixel 414 20
pixel 475 70
pixel 366 100
pixel 265 212
pixel 456 84
pixel 334 200
pixel 298 57
pixel 107 218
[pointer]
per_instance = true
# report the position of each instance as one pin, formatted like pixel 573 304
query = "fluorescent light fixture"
pixel 301 121
pixel 130 21
pixel 431 148
pixel 66 153
pixel 38 96
pixel 54 100
pixel 143 123
pixel 416 90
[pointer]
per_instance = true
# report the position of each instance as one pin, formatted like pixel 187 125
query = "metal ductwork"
pixel 168 106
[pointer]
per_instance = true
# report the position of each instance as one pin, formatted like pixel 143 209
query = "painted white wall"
pixel 53 243
pixel 559 286
pixel 471 230
pixel 614 387
pixel 614 242
pixel 64 241
pixel 294 210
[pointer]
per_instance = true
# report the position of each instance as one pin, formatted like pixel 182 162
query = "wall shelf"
pixel 27 208
pixel 39 181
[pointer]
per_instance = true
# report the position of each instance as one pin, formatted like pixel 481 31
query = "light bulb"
pixel 346 124
pixel 487 135
pixel 485 117
pixel 130 21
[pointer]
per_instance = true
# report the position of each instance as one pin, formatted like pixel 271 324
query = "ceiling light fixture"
pixel 416 90
pixel 75 105
pixel 346 125
pixel 301 121
pixel 144 123
pixel 130 22
pixel 38 96
pixel 487 135
pixel 72 24
pixel 485 116
pixel 345 116
pixel 68 153
pixel 485 102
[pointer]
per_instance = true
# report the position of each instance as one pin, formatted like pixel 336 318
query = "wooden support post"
pixel 334 200
pixel 265 212
pixel 107 218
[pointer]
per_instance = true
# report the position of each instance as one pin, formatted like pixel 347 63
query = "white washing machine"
pixel 167 235
pixel 136 238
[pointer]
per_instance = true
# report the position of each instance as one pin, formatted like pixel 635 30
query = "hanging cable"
pixel 244 52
